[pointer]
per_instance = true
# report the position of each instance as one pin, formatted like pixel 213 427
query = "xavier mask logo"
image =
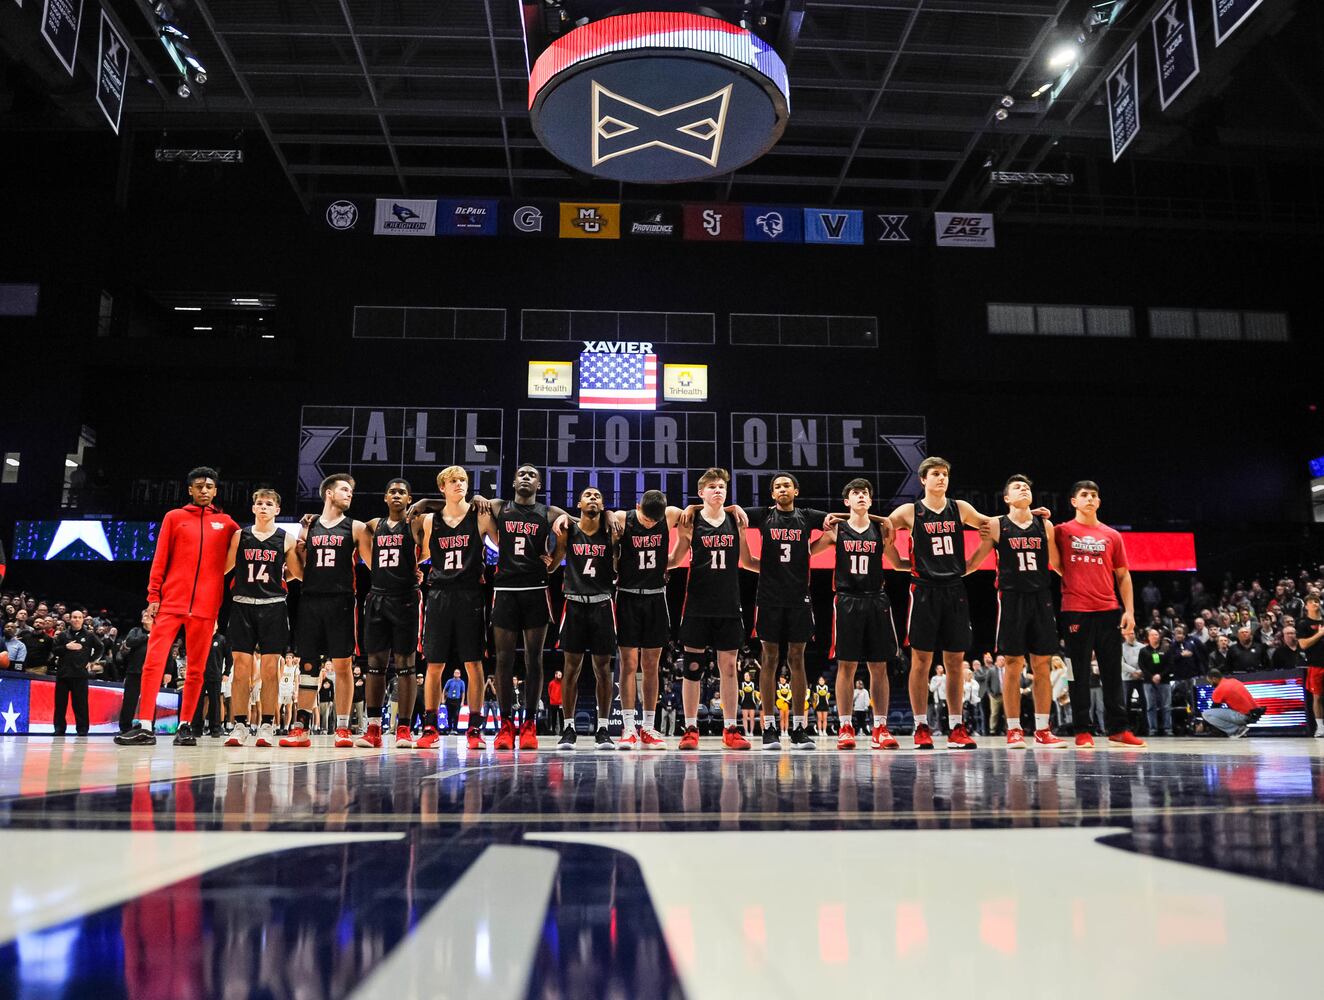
pixel 622 126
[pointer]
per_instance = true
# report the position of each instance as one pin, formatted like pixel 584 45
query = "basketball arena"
pixel 583 499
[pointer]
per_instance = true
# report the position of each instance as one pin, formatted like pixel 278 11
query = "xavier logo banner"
pixel 622 126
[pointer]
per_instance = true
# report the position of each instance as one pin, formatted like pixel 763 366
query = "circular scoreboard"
pixel 658 98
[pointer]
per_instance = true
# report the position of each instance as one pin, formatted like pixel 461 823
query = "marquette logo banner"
pixel 581 221
pixel 551 379
pixel 685 383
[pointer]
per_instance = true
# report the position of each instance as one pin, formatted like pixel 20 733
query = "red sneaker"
pixel 923 737
pixel 1045 738
pixel 734 739
pixel 651 740
pixel 528 735
pixel 474 740
pixel 690 741
pixel 1015 739
pixel 505 737
pixel 1128 740
pixel 629 741
pixel 427 741
pixel 372 736
pixel 1084 741
pixel 883 739
pixel 960 738
pixel 298 737
pixel 344 738
pixel 404 738
pixel 846 737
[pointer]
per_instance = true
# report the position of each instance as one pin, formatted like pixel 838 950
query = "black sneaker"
pixel 800 740
pixel 567 740
pixel 602 741
pixel 135 737
pixel 184 736
pixel 772 738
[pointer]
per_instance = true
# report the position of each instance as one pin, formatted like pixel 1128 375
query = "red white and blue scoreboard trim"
pixel 658 98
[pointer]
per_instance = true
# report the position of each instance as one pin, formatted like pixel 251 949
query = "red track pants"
pixel 197 646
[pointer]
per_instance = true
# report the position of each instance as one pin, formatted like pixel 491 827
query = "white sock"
pixel 1040 721
pixel 799 720
pixel 627 724
pixel 342 721
pixel 691 721
pixel 953 719
pixel 879 720
pixel 1319 726
pixel 770 722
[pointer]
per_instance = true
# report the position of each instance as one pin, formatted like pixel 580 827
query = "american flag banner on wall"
pixel 617 381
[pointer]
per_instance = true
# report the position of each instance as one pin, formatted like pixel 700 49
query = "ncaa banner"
pixel 536 219
pixel 774 224
pixel 112 69
pixel 590 221
pixel 1228 15
pixel 685 383
pixel 60 22
pixel 1175 53
pixel 834 225
pixel 885 227
pixel 551 379
pixel 405 217
pixel 1124 102
pixel 964 229
pixel 711 222
pixel 456 217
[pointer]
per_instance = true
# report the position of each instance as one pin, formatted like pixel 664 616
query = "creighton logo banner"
pixel 405 217
pixel 551 379
pixel 585 221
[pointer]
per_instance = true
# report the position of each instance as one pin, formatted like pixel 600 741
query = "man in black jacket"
pixel 74 649
pixel 219 659
pixel 1246 655
pixel 135 651
pixel 1156 675
pixel 40 644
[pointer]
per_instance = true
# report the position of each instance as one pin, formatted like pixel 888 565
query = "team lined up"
pixel 615 601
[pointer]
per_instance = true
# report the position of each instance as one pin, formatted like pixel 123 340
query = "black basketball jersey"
pixel 259 566
pixel 522 542
pixel 456 553
pixel 394 559
pixel 329 567
pixel 937 544
pixel 644 552
pixel 589 562
pixel 1305 628
pixel 784 555
pixel 1022 556
pixel 859 567
pixel 713 587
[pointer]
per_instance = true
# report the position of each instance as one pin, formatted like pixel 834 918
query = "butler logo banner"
pixel 774 224
pixel 834 225
pixel 112 68
pixel 467 218
pixel 1228 15
pixel 712 222
pixel 60 21
pixel 405 217
pixel 1174 48
pixel 685 383
pixel 551 379
pixel 963 229
pixel 582 221
pixel 1124 102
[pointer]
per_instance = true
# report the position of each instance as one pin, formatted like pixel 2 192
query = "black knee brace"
pixel 696 664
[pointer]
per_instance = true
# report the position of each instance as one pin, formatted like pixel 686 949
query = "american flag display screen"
pixel 1282 694
pixel 617 381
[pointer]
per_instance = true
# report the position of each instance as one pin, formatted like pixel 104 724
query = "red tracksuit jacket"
pixel 188 570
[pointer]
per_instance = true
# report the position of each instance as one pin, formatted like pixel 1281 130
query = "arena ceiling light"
pixel 1064 55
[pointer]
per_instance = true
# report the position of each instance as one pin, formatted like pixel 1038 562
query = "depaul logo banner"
pixel 1174 48
pixel 405 217
pixel 475 217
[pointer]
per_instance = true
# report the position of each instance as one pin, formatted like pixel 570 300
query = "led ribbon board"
pixel 658 98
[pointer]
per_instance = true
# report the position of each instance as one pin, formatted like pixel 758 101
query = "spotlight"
pixel 1007 100
pixel 1000 114
pixel 183 90
pixel 1064 55
pixel 1043 88
pixel 200 77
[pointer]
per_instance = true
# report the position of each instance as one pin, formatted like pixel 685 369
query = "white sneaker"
pixel 1241 732
pixel 266 735
pixel 238 736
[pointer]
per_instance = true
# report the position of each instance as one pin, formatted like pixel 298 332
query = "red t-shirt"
pixel 1090 554
pixel 1232 693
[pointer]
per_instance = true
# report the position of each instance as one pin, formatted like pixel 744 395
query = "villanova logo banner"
pixel 834 225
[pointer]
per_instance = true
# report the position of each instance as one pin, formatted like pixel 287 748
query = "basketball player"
pixel 327 548
pixel 939 615
pixel 710 619
pixel 185 590
pixel 1026 555
pixel 643 624
pixel 862 627
pixel 1092 558
pixel 783 613
pixel 454 632
pixel 1310 632
pixel 391 615
pixel 261 557
pixel 588 624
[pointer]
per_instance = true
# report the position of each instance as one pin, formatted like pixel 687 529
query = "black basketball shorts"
pixel 518 610
pixel 1026 625
pixel 642 620
pixel 391 623
pixel 721 634
pixel 863 629
pixel 453 628
pixel 588 628
pixel 326 627
pixel 784 624
pixel 259 628
pixel 939 619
